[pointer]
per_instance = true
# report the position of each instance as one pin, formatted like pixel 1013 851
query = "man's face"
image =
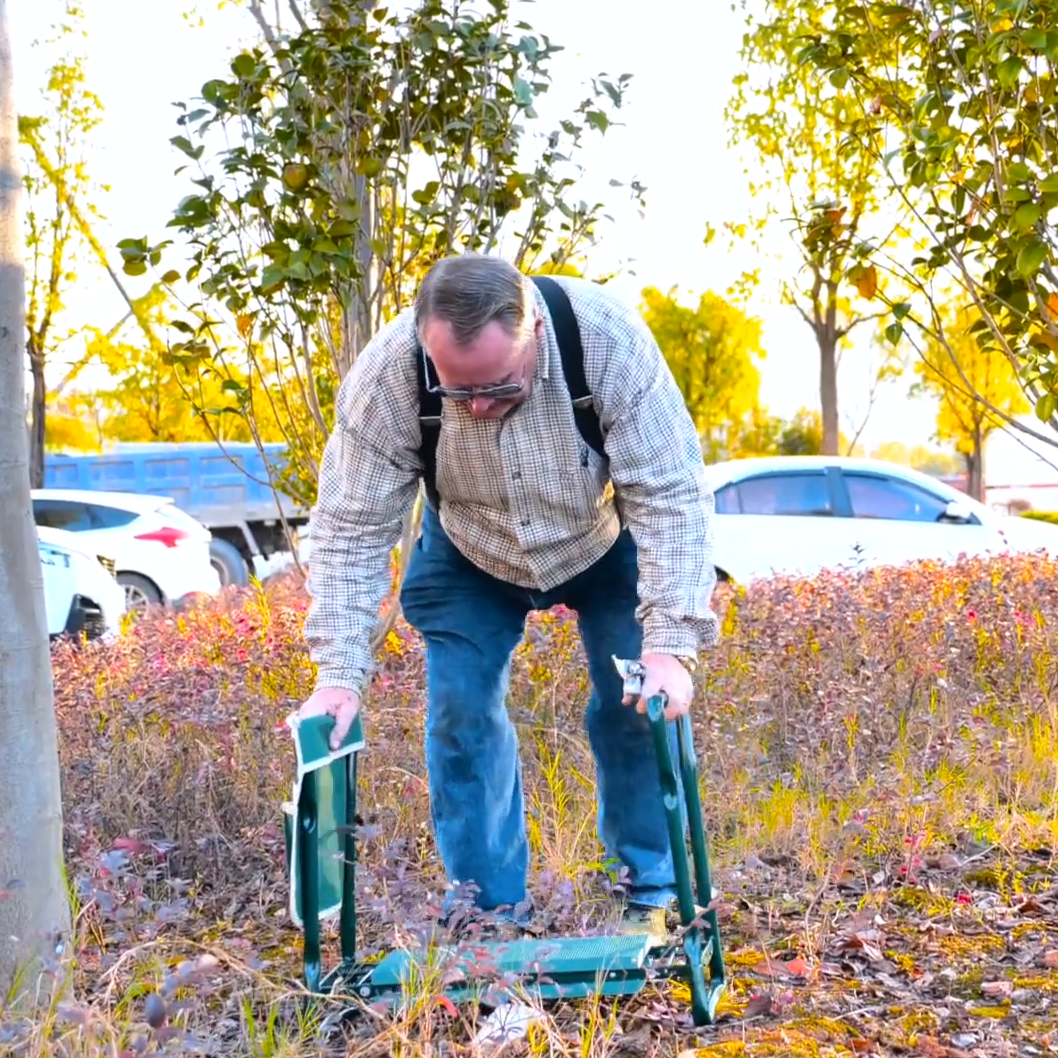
pixel 491 375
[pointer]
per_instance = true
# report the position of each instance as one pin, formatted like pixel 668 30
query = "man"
pixel 524 521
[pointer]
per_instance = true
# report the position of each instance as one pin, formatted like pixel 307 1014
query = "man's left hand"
pixel 664 673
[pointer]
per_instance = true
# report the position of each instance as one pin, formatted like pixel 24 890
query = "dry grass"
pixel 880 761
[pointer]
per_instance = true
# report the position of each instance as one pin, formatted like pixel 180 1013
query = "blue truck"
pixel 226 487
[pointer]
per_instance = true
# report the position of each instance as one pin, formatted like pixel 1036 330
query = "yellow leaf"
pixel 244 323
pixel 867 282
pixel 1052 306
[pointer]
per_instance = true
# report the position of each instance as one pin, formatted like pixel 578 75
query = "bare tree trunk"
pixel 828 393
pixel 975 468
pixel 34 908
pixel 38 412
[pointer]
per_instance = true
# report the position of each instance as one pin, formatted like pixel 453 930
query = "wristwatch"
pixel 688 661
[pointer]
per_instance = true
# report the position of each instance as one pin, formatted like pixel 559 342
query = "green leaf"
pixel 1026 215
pixel 1031 256
pixel 901 309
pixel 894 332
pixel 1018 173
pixel 523 93
pixel 1046 406
pixel 243 66
pixel 839 77
pixel 1036 39
pixel 598 120
pixel 171 276
pixel 1008 71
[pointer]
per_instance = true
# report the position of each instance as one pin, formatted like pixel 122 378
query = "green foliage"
pixel 712 350
pixel 968 117
pixel 811 174
pixel 361 149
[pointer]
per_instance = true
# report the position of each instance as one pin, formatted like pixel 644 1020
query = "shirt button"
pixel 525 523
pixel 516 475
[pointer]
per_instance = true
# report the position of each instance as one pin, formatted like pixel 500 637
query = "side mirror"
pixel 956 512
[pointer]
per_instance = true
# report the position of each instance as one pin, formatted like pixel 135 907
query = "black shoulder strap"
pixel 572 352
pixel 570 349
pixel 430 427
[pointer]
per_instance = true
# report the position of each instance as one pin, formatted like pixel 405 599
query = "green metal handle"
pixel 705 995
pixel 670 789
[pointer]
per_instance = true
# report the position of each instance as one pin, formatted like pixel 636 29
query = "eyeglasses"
pixel 497 391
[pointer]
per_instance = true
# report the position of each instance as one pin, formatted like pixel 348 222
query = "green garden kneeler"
pixel 321 855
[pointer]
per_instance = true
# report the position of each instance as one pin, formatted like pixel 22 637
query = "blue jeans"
pixel 471 623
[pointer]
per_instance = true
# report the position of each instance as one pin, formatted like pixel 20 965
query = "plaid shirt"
pixel 524 498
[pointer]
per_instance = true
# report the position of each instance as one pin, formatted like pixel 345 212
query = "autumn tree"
pixel 367 144
pixel 809 173
pixel 358 147
pixel 969 378
pixel 939 463
pixel 964 98
pixel 712 349
pixel 34 908
pixel 154 397
pixel 74 423
pixel 765 434
pixel 58 204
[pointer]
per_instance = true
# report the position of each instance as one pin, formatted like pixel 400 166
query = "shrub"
pixel 853 731
pixel 1042 516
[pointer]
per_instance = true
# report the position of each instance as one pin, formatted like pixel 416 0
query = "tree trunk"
pixel 828 394
pixel 34 909
pixel 975 469
pixel 38 413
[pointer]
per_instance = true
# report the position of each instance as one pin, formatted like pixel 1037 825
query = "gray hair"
pixel 470 291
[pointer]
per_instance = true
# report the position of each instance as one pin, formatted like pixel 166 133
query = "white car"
pixel 81 593
pixel 799 515
pixel 162 552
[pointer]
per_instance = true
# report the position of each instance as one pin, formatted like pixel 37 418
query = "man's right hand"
pixel 338 702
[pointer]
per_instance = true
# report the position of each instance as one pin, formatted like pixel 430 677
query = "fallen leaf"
pixel 869 942
pixel 759 1005
pixel 931 1048
pixel 997 988
pixel 1050 959
pixel 796 967
pixel 506 1024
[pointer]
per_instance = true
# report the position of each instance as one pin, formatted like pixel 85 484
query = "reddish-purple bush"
pixel 849 728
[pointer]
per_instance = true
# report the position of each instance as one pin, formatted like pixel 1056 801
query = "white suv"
pixel 81 593
pixel 162 552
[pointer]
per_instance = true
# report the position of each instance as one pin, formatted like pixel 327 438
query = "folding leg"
pixel 705 995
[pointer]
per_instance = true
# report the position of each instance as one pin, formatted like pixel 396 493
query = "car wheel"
pixel 140 593
pixel 229 564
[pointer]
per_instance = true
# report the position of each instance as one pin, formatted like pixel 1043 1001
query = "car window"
pixel 727 500
pixel 786 494
pixel 62 514
pixel 106 517
pixel 872 496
